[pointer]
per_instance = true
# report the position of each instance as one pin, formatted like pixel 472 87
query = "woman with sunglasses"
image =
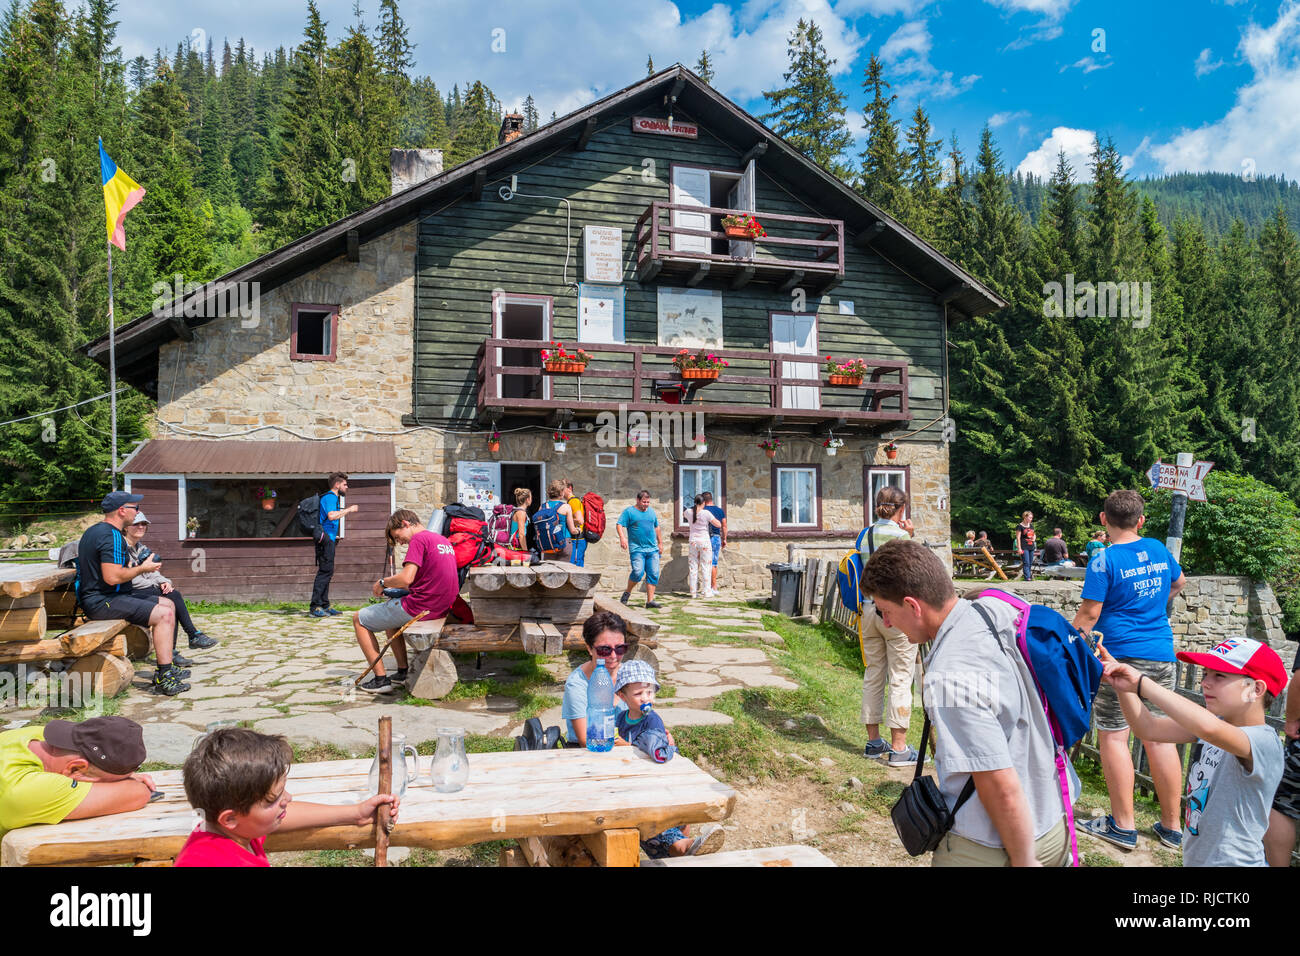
pixel 605 634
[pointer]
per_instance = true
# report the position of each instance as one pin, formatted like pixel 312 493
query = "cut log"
pixel 520 577
pixel 422 634
pixel 137 642
pixel 433 675
pixel 554 639
pixel 24 652
pixel 534 851
pixel 486 579
pixel 551 575
pixel 584 579
pixel 511 610
pixel 82 640
pixel 566 590
pixel 22 624
pixel 99 675
pixel 638 622
pixel 60 603
pixel 116 646
pixel 22 603
pixel 20 580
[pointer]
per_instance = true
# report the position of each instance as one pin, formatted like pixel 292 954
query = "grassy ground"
pixel 527 678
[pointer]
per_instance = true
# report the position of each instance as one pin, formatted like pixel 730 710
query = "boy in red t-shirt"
pixel 237 780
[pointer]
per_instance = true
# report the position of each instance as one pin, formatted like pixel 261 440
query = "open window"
pixel 720 188
pixel 313 332
pixel 522 317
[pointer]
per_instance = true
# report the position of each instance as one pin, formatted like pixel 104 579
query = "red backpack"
pixel 465 526
pixel 472 550
pixel 593 510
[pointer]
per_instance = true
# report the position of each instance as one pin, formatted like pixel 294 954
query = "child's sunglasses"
pixel 606 649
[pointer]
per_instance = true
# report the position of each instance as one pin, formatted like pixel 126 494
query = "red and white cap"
pixel 1241 655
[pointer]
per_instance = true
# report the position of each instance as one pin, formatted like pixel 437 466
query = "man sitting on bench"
pixel 69 771
pixel 104 588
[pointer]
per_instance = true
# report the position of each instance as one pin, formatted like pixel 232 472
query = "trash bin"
pixel 786 581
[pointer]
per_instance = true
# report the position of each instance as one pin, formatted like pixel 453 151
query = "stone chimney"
pixel 411 166
pixel 512 127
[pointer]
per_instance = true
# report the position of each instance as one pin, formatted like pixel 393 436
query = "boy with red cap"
pixel 1238 762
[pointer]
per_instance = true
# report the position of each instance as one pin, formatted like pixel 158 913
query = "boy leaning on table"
pixel 71 771
pixel 238 781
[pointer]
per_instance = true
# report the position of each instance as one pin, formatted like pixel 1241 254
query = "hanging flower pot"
pixel 832 445
pixel 561 440
pixel 494 446
pixel 830 452
pixel 631 449
pixel 268 504
pixel 561 445
pixel 266 496
pixel 770 445
pixel 891 451
pixel 771 452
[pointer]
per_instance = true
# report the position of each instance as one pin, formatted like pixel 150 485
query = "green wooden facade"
pixel 467 249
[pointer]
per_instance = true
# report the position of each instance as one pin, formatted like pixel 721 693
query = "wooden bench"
pixel 796 855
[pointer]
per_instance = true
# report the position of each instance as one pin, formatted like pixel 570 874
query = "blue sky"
pixel 1192 85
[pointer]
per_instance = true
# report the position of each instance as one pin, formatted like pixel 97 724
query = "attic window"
pixel 313 332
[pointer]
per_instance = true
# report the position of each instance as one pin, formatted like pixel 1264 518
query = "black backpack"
pixel 309 518
pixel 458 510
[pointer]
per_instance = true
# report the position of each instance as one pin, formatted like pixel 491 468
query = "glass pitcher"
pixel 401 774
pixel 450 769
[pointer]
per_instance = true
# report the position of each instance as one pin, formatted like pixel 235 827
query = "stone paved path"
pixel 284 673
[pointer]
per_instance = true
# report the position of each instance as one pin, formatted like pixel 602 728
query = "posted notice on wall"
pixel 602 254
pixel 600 313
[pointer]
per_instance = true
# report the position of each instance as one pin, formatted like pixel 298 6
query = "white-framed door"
pixel 742 197
pixel 690 187
pixel 796 333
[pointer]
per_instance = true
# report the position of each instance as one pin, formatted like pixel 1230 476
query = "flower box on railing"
pixel 558 367
pixel 705 373
pixel 846 381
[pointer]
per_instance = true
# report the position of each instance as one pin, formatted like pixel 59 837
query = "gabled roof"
pixel 138 341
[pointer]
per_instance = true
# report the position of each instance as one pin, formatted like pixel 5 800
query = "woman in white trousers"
pixel 699 521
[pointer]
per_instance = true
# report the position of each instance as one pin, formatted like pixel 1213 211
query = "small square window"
pixel 796 497
pixel 313 334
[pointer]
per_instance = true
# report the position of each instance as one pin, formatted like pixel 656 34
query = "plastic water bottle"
pixel 600 710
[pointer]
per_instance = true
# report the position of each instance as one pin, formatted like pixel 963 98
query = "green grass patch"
pixel 335 858
pixel 1097 858
pixel 313 753
pixel 278 607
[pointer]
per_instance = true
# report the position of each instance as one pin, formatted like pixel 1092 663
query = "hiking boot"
pixel 875 749
pixel 201 642
pixel 167 682
pixel 319 612
pixel 399 677
pixel 180 660
pixel 181 672
pixel 906 757
pixel 653 604
pixel 333 611
pixel 1170 838
pixel 627 595
pixel 1106 830
pixel 378 685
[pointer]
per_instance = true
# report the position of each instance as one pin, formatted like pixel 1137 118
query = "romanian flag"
pixel 121 193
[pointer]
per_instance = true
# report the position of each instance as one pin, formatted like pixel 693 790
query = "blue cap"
pixel 116 499
pixel 635 672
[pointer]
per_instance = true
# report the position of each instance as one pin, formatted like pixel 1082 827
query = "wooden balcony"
pixel 763 388
pixel 797 250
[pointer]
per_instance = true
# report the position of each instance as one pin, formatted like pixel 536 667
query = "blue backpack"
pixel 548 525
pixel 849 577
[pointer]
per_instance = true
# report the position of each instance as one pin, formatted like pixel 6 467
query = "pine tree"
pixel 1275 451
pixel 883 163
pixel 530 114
pixel 649 66
pixel 809 110
pixel 479 127
pixel 955 218
pixel 924 172
pixel 704 67
pixel 368 114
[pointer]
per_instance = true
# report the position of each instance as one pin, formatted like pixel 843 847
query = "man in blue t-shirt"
pixel 1126 592
pixel 331 509
pixel 639 535
pixel 717 536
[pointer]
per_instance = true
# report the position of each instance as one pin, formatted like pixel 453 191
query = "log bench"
pixel 796 855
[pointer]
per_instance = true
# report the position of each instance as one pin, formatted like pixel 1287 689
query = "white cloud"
pixel 1050 8
pixel 1130 160
pixel 1088 64
pixel 907 51
pixel 879 8
pixel 1203 64
pixel 1077 144
pixel 1002 119
pixel 1260 131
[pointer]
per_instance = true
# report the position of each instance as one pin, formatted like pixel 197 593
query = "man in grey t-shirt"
pixel 988 727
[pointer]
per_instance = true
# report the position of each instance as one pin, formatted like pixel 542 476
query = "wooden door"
pixel 741 197
pixel 690 188
pixel 796 333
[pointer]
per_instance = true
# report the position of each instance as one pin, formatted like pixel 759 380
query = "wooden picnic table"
pixel 610 800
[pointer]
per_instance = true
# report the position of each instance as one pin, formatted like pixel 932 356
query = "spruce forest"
pixel 241 151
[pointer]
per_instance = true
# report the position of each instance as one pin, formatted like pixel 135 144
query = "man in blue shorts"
pixel 717 539
pixel 1126 590
pixel 104 588
pixel 639 535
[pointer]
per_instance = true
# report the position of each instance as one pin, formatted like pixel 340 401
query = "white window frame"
pixel 813 498
pixel 719 494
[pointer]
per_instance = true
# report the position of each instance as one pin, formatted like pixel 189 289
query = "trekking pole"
pixel 385 648
pixel 382 813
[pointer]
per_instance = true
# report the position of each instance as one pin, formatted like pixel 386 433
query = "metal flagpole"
pixel 112 372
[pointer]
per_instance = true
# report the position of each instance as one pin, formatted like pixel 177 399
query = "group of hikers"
pixel 996 757
pixel 998 768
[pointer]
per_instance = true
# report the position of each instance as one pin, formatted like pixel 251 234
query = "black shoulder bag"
pixel 921 816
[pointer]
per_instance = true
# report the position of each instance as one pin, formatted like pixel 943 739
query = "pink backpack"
pixel 499 523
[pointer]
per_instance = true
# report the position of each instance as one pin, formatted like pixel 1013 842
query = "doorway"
pixel 524 474
pixel 517 316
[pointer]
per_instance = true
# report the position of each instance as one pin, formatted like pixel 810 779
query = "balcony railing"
pixel 797 250
pixel 781 388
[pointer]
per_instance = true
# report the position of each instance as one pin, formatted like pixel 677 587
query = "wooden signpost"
pixel 1187 480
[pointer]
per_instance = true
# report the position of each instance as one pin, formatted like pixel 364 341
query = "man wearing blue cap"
pixel 104 588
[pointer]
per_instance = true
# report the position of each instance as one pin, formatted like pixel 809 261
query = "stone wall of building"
pixel 1208 610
